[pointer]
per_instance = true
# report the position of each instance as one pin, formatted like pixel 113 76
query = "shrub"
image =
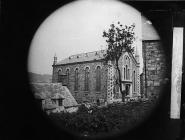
pixel 112 118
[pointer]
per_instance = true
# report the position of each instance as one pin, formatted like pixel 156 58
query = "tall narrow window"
pixel 86 82
pixel 59 76
pixel 76 80
pixel 134 81
pixel 126 72
pixel 67 74
pixel 127 68
pixel 98 78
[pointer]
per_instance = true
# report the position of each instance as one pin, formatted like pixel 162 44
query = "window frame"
pixel 76 79
pixel 86 79
pixel 98 79
pixel 59 75
pixel 67 73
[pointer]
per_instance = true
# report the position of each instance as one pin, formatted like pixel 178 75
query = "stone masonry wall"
pixel 154 68
pixel 92 95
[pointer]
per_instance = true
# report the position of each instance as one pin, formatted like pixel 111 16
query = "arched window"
pixel 60 75
pixel 76 80
pixel 127 68
pixel 67 74
pixel 86 82
pixel 98 78
pixel 134 81
pixel 126 72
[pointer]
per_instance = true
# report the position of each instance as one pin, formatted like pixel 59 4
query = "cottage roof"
pixel 40 96
pixel 54 90
pixel 89 56
pixel 58 96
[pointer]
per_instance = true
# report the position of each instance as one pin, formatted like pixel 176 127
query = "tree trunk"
pixel 119 78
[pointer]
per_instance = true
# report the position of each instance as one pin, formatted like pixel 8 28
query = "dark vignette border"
pixel 21 119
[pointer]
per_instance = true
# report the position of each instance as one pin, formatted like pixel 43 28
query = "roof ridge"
pixel 85 53
pixel 71 58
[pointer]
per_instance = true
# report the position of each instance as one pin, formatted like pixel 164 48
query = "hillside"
pixel 40 78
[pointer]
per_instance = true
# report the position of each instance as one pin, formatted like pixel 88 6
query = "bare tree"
pixel 119 39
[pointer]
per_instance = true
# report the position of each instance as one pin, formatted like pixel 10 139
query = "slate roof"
pixel 89 56
pixel 40 96
pixel 58 96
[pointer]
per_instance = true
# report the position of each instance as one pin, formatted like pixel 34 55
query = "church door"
pixel 127 89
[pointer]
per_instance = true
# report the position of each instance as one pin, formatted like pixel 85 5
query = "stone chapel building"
pixel 89 78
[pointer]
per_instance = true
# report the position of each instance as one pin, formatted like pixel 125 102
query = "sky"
pixel 78 27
